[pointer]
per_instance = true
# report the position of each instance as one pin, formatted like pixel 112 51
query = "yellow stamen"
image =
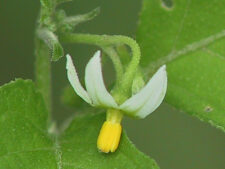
pixel 109 136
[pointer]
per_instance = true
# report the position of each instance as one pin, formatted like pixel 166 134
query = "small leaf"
pixel 26 144
pixel 57 51
pixel 67 24
pixel 52 41
pixel 190 41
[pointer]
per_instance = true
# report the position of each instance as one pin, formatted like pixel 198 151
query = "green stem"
pixel 43 71
pixel 42 52
pixel 114 115
pixel 46 12
pixel 105 40
pixel 116 62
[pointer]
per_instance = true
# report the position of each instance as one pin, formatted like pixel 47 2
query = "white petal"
pixel 95 85
pixel 149 98
pixel 74 80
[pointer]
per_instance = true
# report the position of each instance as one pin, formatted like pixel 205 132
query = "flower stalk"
pixel 110 51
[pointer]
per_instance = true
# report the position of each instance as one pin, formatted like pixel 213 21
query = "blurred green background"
pixel 174 139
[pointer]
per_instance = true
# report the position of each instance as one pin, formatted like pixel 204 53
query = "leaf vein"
pixel 58 154
pixel 181 26
pixel 187 49
pixel 213 53
pixel 27 151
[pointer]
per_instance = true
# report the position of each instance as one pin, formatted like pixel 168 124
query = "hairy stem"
pixel 43 71
pixel 110 51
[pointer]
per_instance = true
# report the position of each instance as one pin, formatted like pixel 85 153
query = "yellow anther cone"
pixel 109 137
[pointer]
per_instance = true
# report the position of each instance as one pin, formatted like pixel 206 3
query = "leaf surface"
pixel 25 142
pixel 189 39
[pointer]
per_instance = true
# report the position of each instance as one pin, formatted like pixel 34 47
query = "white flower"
pixel 139 105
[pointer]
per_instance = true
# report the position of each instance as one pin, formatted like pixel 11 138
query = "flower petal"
pixel 95 85
pixel 74 80
pixel 149 98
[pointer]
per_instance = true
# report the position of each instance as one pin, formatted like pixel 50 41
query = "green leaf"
pixel 68 23
pixel 25 142
pixel 189 38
